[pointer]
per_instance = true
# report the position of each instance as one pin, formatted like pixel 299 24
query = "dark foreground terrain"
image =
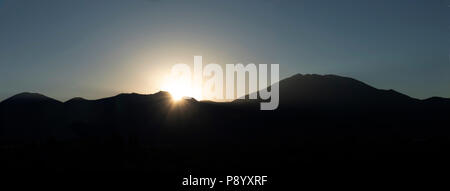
pixel 328 129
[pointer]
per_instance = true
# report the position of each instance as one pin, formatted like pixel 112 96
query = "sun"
pixel 180 89
pixel 177 94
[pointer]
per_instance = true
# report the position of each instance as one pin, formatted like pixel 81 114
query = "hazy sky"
pixel 95 48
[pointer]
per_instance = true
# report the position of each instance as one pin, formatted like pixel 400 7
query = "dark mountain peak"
pixel 76 100
pixel 122 96
pixel 126 95
pixel 190 99
pixel 325 80
pixel 322 85
pixel 163 93
pixel 313 90
pixel 160 94
pixel 437 99
pixel 27 97
pixel 136 98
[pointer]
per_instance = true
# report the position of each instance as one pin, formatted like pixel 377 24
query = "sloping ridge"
pixel 334 91
pixel 35 115
pixel 328 89
pixel 27 97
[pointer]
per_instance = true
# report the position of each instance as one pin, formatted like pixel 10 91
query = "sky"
pixel 99 48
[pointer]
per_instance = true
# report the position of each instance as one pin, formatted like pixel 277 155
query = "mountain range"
pixel 321 119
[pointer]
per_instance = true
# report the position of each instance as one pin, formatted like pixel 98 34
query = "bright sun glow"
pixel 179 89
pixel 177 93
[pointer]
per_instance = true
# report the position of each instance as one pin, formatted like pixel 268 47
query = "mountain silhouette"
pixel 29 98
pixel 323 121
pixel 128 114
pixel 334 92
pixel 332 89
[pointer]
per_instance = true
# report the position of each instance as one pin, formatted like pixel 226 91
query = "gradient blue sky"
pixel 98 48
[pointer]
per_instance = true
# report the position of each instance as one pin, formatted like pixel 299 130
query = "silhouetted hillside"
pixel 30 116
pixel 322 122
pixel 336 92
pixel 29 98
pixel 34 115
pixel 332 89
